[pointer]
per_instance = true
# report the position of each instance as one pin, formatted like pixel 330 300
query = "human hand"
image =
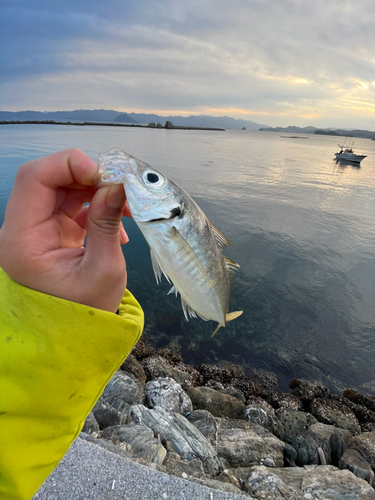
pixel 41 240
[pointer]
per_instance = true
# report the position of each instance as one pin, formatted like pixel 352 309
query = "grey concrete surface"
pixel 88 472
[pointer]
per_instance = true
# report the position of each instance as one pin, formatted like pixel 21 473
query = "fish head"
pixel 150 194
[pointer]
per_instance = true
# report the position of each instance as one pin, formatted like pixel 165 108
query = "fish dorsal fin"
pixel 188 253
pixel 157 268
pixel 230 264
pixel 230 267
pixel 221 240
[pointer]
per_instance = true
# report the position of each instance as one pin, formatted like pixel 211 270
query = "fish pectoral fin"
pixel 189 254
pixel 221 240
pixel 157 268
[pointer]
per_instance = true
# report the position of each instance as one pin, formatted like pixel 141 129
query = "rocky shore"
pixel 217 427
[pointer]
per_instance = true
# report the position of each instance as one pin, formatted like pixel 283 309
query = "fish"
pixel 185 246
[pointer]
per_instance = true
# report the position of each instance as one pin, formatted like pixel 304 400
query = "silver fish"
pixel 185 246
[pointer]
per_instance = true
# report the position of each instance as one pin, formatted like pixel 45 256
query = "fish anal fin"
pixel 221 240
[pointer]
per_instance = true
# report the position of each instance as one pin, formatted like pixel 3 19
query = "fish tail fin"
pixel 228 317
pixel 232 315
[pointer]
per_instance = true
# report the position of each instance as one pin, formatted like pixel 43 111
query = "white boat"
pixel 348 155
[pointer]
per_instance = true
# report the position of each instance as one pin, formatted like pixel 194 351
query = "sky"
pixel 275 62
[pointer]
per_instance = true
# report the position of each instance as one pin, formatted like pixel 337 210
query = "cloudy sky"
pixel 278 62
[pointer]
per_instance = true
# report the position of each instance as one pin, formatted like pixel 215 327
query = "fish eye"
pixel 153 179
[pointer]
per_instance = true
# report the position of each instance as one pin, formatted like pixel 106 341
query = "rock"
pixel 158 367
pixel 173 357
pixel 214 384
pixel 185 439
pixel 258 411
pixel 171 460
pixel 306 390
pixel 206 423
pixel 220 374
pixel 218 404
pixel 365 445
pixel 323 482
pixel 249 387
pixel 327 482
pixel 227 477
pixel 217 485
pixel 338 446
pixel 192 467
pixel 135 414
pixel 319 435
pixel 290 455
pixel 168 394
pixel 284 401
pixel 107 416
pixel 142 350
pixel 91 426
pixel 133 366
pixel 296 426
pixel 332 412
pixel 267 486
pixel 268 380
pixel 142 441
pixel 239 443
pixel 296 423
pixel 232 391
pixel 123 388
pixel 360 399
pixel 354 462
pixel 106 445
pixel 363 407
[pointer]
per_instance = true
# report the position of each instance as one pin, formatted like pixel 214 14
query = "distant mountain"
pixel 108 116
pixel 364 134
pixel 197 121
pixel 80 115
pixel 124 118
pixel 292 129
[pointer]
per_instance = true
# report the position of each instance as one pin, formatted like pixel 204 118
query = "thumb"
pixel 103 228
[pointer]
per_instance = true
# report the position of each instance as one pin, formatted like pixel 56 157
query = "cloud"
pixel 305 58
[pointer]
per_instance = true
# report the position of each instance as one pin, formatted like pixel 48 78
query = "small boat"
pixel 348 155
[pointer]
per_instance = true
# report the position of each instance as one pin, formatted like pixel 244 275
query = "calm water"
pixel 301 227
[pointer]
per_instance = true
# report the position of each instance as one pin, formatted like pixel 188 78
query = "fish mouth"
pixel 175 212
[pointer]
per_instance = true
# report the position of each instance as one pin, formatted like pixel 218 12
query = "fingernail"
pixel 116 196
pixel 124 238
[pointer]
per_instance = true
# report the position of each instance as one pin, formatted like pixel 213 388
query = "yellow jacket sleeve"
pixel 56 357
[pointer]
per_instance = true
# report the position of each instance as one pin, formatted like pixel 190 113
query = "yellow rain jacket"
pixel 56 357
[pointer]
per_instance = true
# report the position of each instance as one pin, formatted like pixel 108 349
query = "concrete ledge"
pixel 88 472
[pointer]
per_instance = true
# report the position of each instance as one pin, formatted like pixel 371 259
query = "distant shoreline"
pixel 104 124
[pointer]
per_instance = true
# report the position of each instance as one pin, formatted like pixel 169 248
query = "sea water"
pixel 302 228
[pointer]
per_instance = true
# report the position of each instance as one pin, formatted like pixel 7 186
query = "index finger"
pixel 33 198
